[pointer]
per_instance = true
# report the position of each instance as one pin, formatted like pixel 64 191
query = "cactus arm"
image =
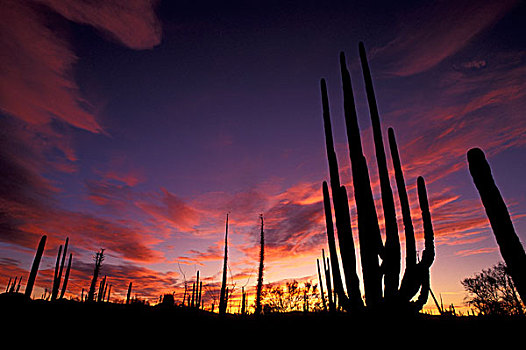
pixel 56 280
pixel 341 209
pixel 409 231
pixel 327 269
pixel 322 293
pixel 336 277
pixel 428 255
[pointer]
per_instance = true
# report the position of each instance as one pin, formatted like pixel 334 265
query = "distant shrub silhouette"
pixel 292 296
pixel 491 292
pixel 510 246
pixel 392 295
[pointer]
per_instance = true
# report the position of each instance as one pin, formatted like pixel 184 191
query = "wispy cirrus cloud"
pixel 437 132
pixel 435 32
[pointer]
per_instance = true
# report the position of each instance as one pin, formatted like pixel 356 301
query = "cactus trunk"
pixel 34 267
pixel 99 257
pixel 509 243
pixel 391 259
pixel 327 269
pixel 58 274
pixel 223 295
pixel 261 267
pixel 128 295
pixel 371 245
pixel 322 294
pixel 342 216
pixel 335 265
pixel 410 243
pixel 66 277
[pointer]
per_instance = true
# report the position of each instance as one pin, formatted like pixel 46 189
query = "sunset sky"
pixel 136 126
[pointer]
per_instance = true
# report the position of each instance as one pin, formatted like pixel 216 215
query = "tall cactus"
pixel 393 294
pixel 341 213
pixel 223 295
pixel 327 270
pixel 371 245
pixel 128 295
pixel 58 272
pixel 66 277
pixel 509 243
pixel 320 282
pixel 34 267
pixel 99 257
pixel 410 243
pixel 333 255
pixel 261 267
pixel 391 260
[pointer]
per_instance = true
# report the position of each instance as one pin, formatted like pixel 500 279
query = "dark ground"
pixel 69 324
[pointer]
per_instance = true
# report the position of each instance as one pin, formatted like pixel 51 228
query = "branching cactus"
pixel 379 260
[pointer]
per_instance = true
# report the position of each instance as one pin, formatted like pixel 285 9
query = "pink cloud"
pixel 36 82
pixel 133 23
pixel 469 252
pixel 169 208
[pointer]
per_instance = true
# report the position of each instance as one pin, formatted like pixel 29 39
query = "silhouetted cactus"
pixel 66 277
pixel 58 272
pixel 128 295
pixel 371 245
pixel 197 287
pixel 391 259
pixel 102 289
pixel 261 266
pixel 34 267
pixel 14 287
pixel 18 285
pixel 410 243
pixel 99 257
pixel 224 292
pixel 322 293
pixel 343 220
pixel 330 292
pixel 393 295
pixel 192 299
pixel 509 243
pixel 243 301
